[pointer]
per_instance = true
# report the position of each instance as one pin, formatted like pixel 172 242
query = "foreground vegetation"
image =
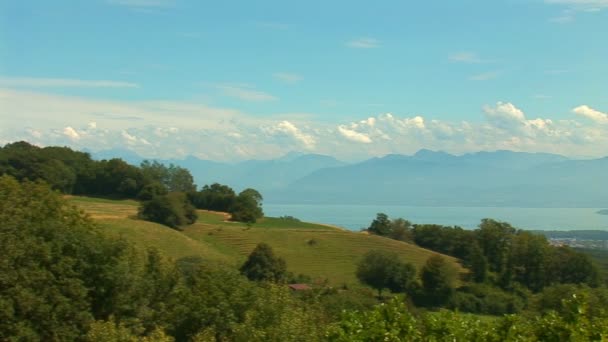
pixel 89 269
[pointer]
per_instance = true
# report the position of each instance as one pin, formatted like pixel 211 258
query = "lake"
pixel 355 217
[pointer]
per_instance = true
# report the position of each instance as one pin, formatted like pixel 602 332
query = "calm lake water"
pixel 355 217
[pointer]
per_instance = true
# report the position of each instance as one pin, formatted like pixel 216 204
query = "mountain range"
pixel 427 178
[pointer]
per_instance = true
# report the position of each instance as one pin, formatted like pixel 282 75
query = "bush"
pixel 263 265
pixel 484 299
pixel 383 270
pixel 172 210
pixel 247 207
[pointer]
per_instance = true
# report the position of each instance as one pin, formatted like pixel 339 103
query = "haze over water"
pixel 355 217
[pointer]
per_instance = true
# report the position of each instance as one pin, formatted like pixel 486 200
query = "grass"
pixel 320 251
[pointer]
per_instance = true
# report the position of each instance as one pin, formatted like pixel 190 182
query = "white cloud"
pixel 465 57
pixel 130 139
pixel 288 128
pixel 485 76
pixel 35 133
pixel 32 82
pixel 364 43
pixel 71 133
pixel 369 121
pixel 287 77
pixel 245 93
pixel 504 112
pixel 166 129
pixel 591 113
pixel 354 135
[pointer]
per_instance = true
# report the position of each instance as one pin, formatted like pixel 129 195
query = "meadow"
pixel 322 252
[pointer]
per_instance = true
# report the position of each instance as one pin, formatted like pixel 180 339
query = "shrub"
pixel 172 210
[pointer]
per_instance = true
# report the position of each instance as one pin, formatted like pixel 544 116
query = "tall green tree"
pixel 247 206
pixel 381 225
pixel 495 238
pixel 263 265
pixel 438 280
pixel 173 177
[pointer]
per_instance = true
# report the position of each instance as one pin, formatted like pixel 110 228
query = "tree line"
pixel 505 265
pixel 168 194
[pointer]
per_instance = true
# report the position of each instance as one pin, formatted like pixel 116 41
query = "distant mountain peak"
pixel 291 155
pixel 429 155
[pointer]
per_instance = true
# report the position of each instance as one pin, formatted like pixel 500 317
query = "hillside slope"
pixel 319 251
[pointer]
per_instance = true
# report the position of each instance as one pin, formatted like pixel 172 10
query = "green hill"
pixel 319 251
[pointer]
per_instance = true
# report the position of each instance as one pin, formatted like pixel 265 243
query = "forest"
pixel 63 279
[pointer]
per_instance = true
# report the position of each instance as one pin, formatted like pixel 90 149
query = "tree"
pixel 383 270
pixel 172 210
pixel 438 278
pixel 174 178
pixel 216 197
pixel 494 238
pixel 401 230
pixel 478 264
pixel 247 206
pixel 381 225
pixel 263 265
pixel 55 265
pixel 151 190
pixel 568 266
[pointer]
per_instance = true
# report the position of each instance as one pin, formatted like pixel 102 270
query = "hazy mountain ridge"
pixel 427 178
pixel 501 178
pixel 265 175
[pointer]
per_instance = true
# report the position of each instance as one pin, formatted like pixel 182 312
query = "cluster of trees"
pixel 498 253
pixel 383 270
pixel 244 207
pixel 505 263
pixel 74 172
pixel 168 193
pixel 62 279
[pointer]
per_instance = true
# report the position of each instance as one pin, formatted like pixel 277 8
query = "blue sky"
pixel 236 80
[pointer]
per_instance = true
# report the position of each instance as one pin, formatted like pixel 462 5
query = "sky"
pixel 237 80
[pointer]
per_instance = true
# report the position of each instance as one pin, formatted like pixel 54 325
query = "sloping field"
pixel 316 250
pixel 321 252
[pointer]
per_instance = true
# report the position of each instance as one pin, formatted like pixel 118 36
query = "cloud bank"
pixel 170 129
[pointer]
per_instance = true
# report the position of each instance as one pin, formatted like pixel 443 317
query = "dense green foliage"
pixel 438 280
pixel 398 229
pixel 74 172
pixel 383 270
pixel 56 270
pixel 263 265
pixel 62 280
pixel 247 206
pixel 215 197
pixel 501 254
pixel 395 322
pixel 173 210
pixel 244 207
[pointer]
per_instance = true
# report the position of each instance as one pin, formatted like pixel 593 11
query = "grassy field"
pixel 322 252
